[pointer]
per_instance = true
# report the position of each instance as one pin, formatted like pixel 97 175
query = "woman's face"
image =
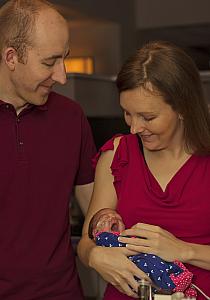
pixel 149 116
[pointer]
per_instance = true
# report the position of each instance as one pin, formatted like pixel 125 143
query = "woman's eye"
pixel 149 119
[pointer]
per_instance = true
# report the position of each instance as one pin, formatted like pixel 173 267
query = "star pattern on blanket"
pixel 172 276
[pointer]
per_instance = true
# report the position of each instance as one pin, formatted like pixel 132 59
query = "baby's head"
pixel 106 219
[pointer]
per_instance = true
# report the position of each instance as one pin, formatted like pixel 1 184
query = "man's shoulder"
pixel 60 102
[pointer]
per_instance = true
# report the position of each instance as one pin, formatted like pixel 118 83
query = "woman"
pixel 157 175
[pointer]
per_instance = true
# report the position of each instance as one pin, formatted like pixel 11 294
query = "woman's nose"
pixel 136 126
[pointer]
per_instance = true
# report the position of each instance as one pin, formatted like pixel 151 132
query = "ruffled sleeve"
pixel 109 145
pixel 120 159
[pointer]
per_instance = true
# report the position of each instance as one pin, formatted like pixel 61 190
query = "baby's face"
pixel 106 220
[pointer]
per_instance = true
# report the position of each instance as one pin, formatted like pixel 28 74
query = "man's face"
pixel 33 81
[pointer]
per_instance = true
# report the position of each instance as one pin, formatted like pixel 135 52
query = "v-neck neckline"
pixel 175 184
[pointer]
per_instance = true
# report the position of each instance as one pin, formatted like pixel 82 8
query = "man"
pixel 46 149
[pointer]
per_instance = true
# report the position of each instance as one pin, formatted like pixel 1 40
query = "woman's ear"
pixel 10 58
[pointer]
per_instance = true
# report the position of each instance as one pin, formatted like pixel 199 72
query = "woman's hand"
pixel 154 240
pixel 116 268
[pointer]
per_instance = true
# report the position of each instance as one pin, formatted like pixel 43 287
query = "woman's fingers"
pixel 152 229
pixel 139 274
pixel 153 239
pixel 136 232
pixel 130 284
pixel 125 287
pixel 147 232
pixel 127 282
pixel 128 252
pixel 126 290
pixel 115 267
pixel 134 241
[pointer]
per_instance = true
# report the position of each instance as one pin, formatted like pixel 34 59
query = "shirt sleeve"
pixel 85 172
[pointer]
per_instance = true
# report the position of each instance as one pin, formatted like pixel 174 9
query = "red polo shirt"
pixel 43 152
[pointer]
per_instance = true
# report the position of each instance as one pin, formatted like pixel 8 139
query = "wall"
pixel 100 40
pixel 163 13
pixel 121 12
pixel 183 22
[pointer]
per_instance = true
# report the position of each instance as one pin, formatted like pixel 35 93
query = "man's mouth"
pixel 47 86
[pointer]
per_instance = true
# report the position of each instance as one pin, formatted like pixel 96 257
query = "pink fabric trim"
pixel 113 232
pixel 183 281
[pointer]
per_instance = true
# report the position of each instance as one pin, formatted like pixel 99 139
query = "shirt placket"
pixel 20 140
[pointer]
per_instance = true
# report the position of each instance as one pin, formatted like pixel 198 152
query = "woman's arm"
pixel 198 255
pixel 164 244
pixel 112 263
pixel 103 196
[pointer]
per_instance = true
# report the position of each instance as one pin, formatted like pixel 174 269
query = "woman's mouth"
pixel 146 137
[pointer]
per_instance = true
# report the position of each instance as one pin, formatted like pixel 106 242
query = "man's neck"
pixel 7 95
pixel 9 99
pixel 18 110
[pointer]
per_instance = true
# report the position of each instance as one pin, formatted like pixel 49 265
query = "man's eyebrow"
pixel 56 56
pixel 67 54
pixel 53 57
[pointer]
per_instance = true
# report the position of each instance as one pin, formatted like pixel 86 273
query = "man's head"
pixel 34 40
pixel 17 24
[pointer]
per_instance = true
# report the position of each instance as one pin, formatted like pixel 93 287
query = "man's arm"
pixel 83 195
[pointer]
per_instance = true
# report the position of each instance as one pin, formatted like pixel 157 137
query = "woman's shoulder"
pixel 118 144
pixel 117 140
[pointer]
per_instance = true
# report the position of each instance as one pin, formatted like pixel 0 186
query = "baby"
pixel 105 220
pixel 105 228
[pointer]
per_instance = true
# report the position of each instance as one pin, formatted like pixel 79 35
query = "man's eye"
pixel 48 64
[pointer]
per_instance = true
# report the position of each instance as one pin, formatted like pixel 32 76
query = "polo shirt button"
pixel 21 143
pixel 18 120
pixel 7 106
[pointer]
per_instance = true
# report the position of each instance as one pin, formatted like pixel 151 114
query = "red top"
pixel 183 208
pixel 44 152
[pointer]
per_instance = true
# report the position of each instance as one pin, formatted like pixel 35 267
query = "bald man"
pixel 46 150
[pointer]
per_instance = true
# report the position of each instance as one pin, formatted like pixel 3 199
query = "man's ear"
pixel 10 58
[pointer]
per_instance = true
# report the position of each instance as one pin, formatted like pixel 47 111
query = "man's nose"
pixel 137 125
pixel 59 74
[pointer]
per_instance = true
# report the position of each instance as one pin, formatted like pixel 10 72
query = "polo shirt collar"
pixel 1 102
pixel 40 107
